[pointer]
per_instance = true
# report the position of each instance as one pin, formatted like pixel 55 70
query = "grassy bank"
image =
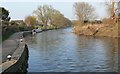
pixel 100 30
pixel 6 36
pixel 109 31
pixel 9 32
pixel 0 39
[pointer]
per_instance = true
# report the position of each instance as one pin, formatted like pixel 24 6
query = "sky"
pixel 19 9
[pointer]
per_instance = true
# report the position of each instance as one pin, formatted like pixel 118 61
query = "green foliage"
pixel 43 28
pixel 7 35
pixel 4 14
pixel 5 23
pixel 8 28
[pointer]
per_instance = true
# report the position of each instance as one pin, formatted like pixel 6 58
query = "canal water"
pixel 63 51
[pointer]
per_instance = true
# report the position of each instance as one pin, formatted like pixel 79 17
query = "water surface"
pixel 63 51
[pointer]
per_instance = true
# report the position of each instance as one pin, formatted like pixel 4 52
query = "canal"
pixel 63 51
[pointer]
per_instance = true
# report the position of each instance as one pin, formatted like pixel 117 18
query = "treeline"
pixel 86 13
pixel 4 19
pixel 47 17
pixel 10 27
pixel 44 17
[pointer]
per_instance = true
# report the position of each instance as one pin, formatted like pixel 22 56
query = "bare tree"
pixel 48 15
pixel 84 11
pixel 113 9
pixel 118 10
pixel 109 4
pixel 43 13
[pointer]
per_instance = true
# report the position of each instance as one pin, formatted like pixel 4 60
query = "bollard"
pixel 9 57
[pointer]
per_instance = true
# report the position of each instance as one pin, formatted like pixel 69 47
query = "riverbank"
pixel 19 52
pixel 11 44
pixel 98 30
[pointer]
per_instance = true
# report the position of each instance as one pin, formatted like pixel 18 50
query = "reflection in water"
pixel 62 51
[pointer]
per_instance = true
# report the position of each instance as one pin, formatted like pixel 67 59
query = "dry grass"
pixel 108 29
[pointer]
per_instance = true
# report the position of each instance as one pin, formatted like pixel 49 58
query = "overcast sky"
pixel 19 9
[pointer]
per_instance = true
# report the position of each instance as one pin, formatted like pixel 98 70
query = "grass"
pixel 0 39
pixel 6 36
pixel 107 30
pixel 110 31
